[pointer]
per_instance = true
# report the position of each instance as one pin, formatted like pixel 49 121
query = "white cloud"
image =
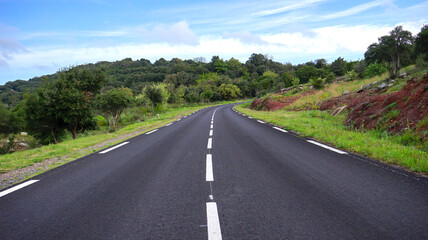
pixel 245 37
pixel 178 33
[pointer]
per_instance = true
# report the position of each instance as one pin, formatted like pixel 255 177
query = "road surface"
pixel 218 174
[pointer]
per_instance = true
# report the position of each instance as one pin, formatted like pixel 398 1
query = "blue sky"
pixel 40 37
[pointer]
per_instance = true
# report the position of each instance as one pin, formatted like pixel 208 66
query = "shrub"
pixel 317 83
pixel 374 69
pixel 330 77
pixel 351 75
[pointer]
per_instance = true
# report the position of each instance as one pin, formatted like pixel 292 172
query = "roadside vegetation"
pixel 379 111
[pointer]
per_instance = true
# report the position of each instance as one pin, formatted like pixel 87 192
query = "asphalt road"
pixel 218 175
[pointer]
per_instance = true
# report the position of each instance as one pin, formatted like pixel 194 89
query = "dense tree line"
pixel 67 101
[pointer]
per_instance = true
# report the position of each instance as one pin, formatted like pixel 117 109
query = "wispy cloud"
pixel 358 9
pixel 289 7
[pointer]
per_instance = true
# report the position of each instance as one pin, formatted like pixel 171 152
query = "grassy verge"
pixel 329 129
pixel 332 90
pixel 84 145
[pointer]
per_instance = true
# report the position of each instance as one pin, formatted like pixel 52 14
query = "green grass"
pixel 331 90
pixel 326 128
pixel 73 149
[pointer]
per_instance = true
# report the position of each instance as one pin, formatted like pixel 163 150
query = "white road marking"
pixel 280 129
pixel 250 117
pixel 151 131
pixel 327 147
pixel 211 133
pixel 169 124
pixel 211 126
pixel 260 121
pixel 213 222
pixel 22 185
pixel 210 143
pixel 212 122
pixel 178 120
pixel 112 148
pixel 209 169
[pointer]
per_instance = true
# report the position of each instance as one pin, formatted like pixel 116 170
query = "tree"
pixel 421 43
pixel 306 72
pixel 374 69
pixel 338 66
pixel 229 91
pixel 4 119
pixel 268 79
pixel 153 95
pixel 391 50
pixel 72 97
pixel 41 120
pixel 112 104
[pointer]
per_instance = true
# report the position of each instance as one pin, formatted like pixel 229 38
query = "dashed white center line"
pixel 112 148
pixel 209 176
pixel 327 147
pixel 210 143
pixel 213 222
pixel 260 121
pixel 211 126
pixel 211 133
pixel 280 129
pixel 151 131
pixel 22 185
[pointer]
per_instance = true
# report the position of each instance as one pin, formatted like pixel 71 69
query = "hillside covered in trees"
pixel 74 99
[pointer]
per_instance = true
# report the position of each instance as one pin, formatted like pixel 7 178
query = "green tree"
pixel 306 72
pixel 4 119
pixel 421 43
pixel 112 104
pixel 287 79
pixel 41 119
pixel 391 50
pixel 71 96
pixel 338 66
pixel 229 91
pixel 268 79
pixel 374 69
pixel 154 96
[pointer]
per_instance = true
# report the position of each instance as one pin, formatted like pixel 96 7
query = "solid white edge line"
pixel 327 147
pixel 210 143
pixel 260 121
pixel 169 124
pixel 147 133
pixel 213 222
pixel 209 176
pixel 211 133
pixel 280 129
pixel 17 187
pixel 112 148
pixel 250 117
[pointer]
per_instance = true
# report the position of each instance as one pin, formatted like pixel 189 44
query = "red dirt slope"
pixel 395 111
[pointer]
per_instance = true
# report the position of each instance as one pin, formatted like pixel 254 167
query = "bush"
pixel 374 69
pixel 296 82
pixel 317 83
pixel 351 75
pixel 330 77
